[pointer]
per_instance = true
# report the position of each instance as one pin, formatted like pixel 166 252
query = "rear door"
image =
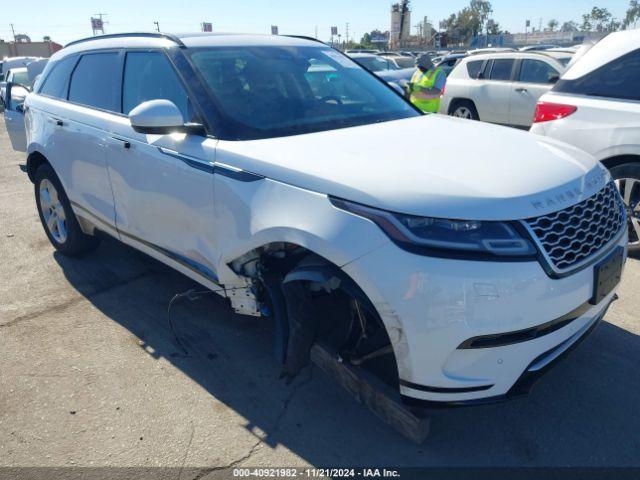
pixel 78 112
pixel 534 78
pixel 492 95
pixel 14 116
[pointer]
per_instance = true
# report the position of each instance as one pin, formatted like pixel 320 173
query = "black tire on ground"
pixel 464 109
pixel 74 242
pixel 627 178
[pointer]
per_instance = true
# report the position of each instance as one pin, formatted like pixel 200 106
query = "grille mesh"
pixel 575 233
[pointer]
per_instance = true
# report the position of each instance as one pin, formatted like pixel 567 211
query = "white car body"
pixel 605 122
pixel 504 100
pixel 209 206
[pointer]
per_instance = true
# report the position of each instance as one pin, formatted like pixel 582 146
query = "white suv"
pixel 596 107
pixel 260 167
pixel 501 87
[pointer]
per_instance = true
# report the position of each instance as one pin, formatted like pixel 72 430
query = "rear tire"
pixel 464 109
pixel 58 220
pixel 627 178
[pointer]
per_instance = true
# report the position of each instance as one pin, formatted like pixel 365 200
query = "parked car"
pixel 481 51
pixel 14 62
pixel 403 61
pixel 361 50
pixel 243 163
pixel 536 48
pixel 386 69
pixel 448 62
pixel 596 107
pixel 501 87
pixel 17 75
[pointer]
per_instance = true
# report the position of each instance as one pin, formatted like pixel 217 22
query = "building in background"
pixel 28 48
pixel 400 24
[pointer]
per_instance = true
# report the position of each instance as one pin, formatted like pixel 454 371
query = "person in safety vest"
pixel 426 85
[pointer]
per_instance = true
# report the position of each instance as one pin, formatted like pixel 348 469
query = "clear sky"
pixel 66 20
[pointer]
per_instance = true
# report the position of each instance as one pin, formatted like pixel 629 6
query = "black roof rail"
pixel 134 34
pixel 304 37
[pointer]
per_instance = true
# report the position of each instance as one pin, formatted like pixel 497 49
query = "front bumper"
pixel 432 306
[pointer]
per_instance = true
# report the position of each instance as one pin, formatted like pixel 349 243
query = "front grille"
pixel 575 233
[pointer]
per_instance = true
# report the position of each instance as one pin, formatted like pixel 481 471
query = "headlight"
pixel 444 236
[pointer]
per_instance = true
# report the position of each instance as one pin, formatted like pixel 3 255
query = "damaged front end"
pixel 313 301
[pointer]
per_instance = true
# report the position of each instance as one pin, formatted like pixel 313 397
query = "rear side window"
pixel 55 85
pixel 501 69
pixel 95 81
pixel 617 79
pixel 150 76
pixel 537 71
pixel 473 68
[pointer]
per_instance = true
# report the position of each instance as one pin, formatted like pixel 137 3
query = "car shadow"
pixel 583 412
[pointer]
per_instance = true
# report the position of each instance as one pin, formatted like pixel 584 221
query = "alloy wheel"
pixel 462 112
pixel 629 189
pixel 53 211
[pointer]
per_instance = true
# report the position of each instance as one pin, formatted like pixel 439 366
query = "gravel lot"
pixel 89 375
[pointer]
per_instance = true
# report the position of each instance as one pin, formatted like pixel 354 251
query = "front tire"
pixel 464 109
pixel 627 178
pixel 58 220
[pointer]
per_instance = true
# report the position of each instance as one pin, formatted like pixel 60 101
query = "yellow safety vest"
pixel 421 81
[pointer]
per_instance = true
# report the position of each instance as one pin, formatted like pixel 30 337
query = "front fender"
pixel 250 215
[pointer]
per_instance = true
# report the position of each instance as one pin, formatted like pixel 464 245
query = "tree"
pixel 599 19
pixel 552 24
pixel 482 10
pixel 366 39
pixel 493 27
pixel 570 26
pixel 633 14
pixel 470 21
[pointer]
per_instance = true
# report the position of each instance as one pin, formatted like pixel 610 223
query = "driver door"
pixel 14 116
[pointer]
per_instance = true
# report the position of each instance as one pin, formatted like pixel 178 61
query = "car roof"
pixel 188 40
pixel 612 46
pixel 515 54
pixel 363 55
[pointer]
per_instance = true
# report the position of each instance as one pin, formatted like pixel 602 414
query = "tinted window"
pixel 502 69
pixel 95 81
pixel 617 79
pixel 473 68
pixel 536 71
pixel 55 85
pixel 270 91
pixel 150 76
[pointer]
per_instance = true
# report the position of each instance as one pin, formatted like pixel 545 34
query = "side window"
pixel 501 69
pixel 537 71
pixel 473 68
pixel 55 85
pixel 95 81
pixel 617 79
pixel 150 76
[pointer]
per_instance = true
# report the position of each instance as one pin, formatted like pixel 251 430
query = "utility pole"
pixel 347 33
pixel 157 24
pixel 316 31
pixel 14 32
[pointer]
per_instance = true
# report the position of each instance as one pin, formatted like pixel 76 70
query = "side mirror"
pixel 554 78
pixel 160 117
pixel 14 96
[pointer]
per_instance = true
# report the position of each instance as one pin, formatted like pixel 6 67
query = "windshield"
pixel 268 91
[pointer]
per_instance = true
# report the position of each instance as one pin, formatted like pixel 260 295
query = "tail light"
pixel 546 111
pixel 442 92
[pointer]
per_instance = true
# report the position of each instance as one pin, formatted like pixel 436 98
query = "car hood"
pixel 430 165
pixel 404 74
